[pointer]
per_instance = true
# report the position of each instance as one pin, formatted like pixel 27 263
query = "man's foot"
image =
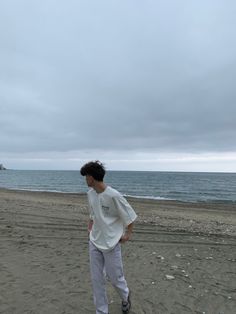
pixel 126 305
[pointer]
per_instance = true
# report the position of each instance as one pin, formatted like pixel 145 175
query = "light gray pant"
pixel 112 262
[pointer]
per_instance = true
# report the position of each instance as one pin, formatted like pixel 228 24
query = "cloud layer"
pixel 136 77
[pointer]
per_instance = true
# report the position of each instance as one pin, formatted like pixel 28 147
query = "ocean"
pixel 181 186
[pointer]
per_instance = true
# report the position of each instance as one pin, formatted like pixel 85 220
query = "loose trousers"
pixel 112 263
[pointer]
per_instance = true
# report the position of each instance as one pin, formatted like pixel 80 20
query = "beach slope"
pixel 181 259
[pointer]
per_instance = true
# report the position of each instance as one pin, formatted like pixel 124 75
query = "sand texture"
pixel 181 259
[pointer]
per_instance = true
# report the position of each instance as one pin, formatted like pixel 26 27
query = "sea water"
pixel 182 186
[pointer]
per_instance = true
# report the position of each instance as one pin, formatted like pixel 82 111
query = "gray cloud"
pixel 132 76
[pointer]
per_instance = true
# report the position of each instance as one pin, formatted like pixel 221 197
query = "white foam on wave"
pixel 149 197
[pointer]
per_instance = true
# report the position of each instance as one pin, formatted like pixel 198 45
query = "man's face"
pixel 89 180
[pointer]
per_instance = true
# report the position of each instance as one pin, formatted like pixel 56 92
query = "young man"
pixel 111 223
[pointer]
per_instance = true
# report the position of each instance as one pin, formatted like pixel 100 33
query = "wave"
pixel 149 197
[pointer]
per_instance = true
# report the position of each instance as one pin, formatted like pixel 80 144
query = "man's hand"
pixel 126 237
pixel 90 225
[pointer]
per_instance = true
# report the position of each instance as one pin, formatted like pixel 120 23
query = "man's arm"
pixel 127 235
pixel 90 225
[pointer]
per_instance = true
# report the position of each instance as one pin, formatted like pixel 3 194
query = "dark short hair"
pixel 95 169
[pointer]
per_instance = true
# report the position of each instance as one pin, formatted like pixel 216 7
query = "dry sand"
pixel 181 259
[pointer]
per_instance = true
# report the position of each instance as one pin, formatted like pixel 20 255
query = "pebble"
pixel 174 267
pixel 178 255
pixel 170 277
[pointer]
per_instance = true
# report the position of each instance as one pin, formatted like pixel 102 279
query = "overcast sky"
pixel 145 85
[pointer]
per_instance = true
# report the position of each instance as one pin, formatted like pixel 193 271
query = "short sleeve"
pixel 125 211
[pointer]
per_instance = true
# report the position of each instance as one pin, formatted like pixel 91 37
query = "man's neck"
pixel 99 187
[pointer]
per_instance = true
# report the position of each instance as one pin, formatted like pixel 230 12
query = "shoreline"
pixel 181 258
pixel 131 197
pixel 202 217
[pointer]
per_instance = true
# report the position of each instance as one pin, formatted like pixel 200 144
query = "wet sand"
pixel 181 259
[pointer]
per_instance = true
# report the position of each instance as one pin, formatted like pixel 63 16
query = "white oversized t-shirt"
pixel 110 213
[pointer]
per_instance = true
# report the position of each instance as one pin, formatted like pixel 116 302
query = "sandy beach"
pixel 181 259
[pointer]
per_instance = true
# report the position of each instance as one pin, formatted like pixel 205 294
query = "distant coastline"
pixel 2 167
